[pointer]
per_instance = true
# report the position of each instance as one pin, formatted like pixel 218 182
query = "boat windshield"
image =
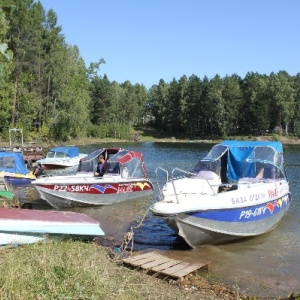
pixel 216 152
pixel 112 156
pixel 113 168
pixel 89 162
pixel 133 169
pixel 206 165
pixel 56 154
pixel 266 155
pixel 50 154
pixel 7 162
pixel 262 170
pixel 265 161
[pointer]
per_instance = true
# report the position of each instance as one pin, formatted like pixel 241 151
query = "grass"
pixel 78 270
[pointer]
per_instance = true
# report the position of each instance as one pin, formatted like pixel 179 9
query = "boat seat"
pixel 208 175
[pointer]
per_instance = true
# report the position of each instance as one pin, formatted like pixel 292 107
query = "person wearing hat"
pixel 101 166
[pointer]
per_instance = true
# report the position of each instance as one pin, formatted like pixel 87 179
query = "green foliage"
pixel 47 90
pixel 7 53
pixel 275 137
pixel 4 51
pixel 96 131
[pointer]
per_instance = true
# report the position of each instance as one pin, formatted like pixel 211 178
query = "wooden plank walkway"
pixel 162 265
pixel 30 153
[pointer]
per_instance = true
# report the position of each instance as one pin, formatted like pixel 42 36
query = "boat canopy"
pixel 89 162
pixel 129 164
pixel 13 163
pixel 63 151
pixel 242 158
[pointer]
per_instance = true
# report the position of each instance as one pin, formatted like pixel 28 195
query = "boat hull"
pixel 221 226
pixel 28 226
pixel 15 239
pixel 85 191
pixel 18 180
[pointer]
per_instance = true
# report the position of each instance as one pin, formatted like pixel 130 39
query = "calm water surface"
pixel 265 266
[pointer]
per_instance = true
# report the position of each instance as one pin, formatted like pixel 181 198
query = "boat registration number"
pixel 72 188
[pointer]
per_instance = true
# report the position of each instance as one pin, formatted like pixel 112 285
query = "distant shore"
pixel 284 139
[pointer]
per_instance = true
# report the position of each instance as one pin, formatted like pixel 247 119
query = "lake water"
pixel 265 266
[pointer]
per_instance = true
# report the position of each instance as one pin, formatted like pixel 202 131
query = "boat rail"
pixel 160 193
pixel 172 181
pixel 191 174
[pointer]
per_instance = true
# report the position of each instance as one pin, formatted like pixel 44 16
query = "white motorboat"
pixel 125 179
pixel 240 189
pixel 62 157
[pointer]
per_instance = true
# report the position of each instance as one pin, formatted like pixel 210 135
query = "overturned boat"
pixel 26 226
pixel 125 179
pixel 240 189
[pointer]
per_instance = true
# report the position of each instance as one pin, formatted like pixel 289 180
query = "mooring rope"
pixel 128 238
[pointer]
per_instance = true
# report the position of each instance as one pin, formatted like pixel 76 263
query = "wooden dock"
pixel 30 154
pixel 159 264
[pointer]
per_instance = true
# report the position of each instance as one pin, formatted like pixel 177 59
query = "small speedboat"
pixel 125 179
pixel 62 157
pixel 13 169
pixel 25 226
pixel 240 189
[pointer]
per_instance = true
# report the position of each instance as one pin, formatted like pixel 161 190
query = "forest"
pixel 47 90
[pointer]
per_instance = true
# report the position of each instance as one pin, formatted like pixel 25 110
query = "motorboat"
pixel 13 169
pixel 26 226
pixel 240 189
pixel 61 157
pixel 125 178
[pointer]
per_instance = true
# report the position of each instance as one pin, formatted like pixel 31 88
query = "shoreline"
pixel 285 140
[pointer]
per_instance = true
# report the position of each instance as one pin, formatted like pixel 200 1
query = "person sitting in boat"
pixel 101 166
pixel 38 170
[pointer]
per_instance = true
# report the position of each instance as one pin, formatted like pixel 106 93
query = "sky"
pixel 144 41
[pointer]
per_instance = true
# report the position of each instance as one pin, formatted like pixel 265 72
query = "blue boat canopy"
pixel 13 163
pixel 243 158
pixel 63 151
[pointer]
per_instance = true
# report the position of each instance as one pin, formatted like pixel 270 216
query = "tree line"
pixel 47 90
pixel 228 106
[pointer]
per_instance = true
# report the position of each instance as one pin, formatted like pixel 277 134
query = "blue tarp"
pixel 242 156
pixel 252 144
pixel 13 163
pixel 71 151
